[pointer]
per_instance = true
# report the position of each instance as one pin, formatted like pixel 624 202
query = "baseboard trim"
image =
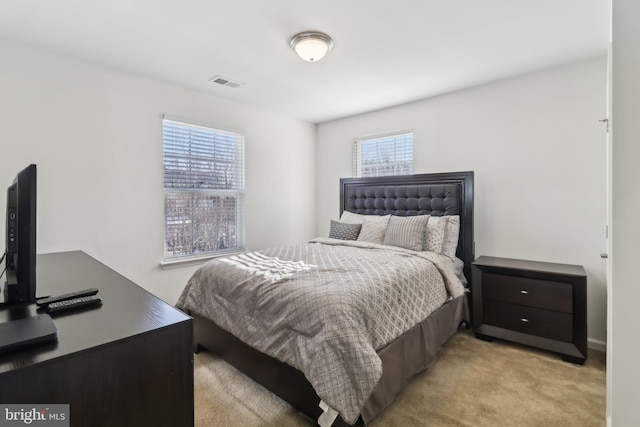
pixel 595 344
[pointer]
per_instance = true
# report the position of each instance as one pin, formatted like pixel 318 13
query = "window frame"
pixel 406 169
pixel 236 193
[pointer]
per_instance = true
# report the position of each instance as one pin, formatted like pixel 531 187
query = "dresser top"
pixel 525 265
pixel 127 309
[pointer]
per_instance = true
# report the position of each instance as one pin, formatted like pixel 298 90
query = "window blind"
pixel 204 189
pixel 383 155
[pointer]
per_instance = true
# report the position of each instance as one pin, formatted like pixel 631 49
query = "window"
pixel 382 155
pixel 203 190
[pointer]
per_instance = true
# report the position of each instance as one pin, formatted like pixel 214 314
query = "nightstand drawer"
pixel 529 320
pixel 545 294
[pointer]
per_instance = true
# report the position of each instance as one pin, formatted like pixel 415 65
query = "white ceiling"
pixel 386 52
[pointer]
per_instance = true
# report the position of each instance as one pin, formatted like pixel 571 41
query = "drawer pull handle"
pixel 525 320
pixel 524 292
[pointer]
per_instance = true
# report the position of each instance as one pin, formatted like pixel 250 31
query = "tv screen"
pixel 20 261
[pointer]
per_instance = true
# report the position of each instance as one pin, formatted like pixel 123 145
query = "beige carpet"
pixel 473 384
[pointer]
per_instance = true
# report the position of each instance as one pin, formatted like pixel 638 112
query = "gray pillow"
pixel 344 231
pixel 407 232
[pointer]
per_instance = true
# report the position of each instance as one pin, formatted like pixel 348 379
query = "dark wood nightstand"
pixel 539 304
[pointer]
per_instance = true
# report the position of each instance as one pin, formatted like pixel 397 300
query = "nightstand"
pixel 540 304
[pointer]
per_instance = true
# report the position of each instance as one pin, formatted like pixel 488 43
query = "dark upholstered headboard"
pixel 438 194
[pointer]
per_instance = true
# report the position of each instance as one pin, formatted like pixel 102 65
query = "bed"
pixel 373 384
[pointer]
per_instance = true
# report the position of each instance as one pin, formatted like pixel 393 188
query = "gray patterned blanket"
pixel 323 307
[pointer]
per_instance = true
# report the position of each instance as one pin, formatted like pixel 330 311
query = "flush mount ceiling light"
pixel 311 46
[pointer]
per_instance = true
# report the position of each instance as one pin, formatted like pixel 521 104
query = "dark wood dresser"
pixel 128 362
pixel 534 303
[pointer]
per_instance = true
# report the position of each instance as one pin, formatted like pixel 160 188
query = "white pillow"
pixel 451 233
pixel 374 228
pixel 352 218
pixel 435 233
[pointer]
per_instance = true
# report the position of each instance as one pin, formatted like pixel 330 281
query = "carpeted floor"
pixel 473 384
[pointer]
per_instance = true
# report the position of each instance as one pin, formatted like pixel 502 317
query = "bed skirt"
pixel 403 358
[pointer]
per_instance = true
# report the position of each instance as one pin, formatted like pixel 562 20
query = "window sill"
pixel 187 262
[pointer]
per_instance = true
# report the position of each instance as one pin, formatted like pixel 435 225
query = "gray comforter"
pixel 323 307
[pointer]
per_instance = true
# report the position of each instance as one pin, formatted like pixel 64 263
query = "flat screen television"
pixel 20 260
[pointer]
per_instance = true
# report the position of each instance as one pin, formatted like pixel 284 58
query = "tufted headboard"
pixel 438 194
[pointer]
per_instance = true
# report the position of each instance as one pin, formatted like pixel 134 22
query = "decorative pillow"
pixel 352 218
pixel 373 228
pixel 451 232
pixel 435 233
pixel 406 232
pixel 344 231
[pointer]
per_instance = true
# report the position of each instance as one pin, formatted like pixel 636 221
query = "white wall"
pixel 623 350
pixel 96 136
pixel 538 152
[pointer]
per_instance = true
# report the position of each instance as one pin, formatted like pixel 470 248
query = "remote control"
pixel 72 295
pixel 68 304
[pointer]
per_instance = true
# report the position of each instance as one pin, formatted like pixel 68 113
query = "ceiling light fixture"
pixel 311 46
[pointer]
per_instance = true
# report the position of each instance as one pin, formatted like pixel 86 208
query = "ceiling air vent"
pixel 222 81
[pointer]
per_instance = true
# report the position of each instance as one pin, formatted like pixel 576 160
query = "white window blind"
pixel 383 155
pixel 203 188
